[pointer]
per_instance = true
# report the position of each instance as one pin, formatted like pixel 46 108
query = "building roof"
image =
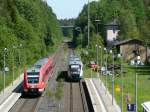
pixel 117 43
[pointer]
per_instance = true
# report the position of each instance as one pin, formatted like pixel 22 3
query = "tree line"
pixel 31 24
pixel 133 17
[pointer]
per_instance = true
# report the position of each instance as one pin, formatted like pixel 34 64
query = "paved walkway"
pixel 100 98
pixel 10 89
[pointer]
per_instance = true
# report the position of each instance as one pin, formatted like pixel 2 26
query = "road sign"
pixel 131 107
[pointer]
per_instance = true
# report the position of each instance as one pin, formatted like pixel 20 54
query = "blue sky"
pixel 67 8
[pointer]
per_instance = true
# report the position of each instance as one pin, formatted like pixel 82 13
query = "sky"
pixel 67 8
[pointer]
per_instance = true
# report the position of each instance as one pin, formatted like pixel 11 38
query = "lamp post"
pixel 136 104
pixel 119 55
pixel 136 107
pixel 19 57
pixel 20 46
pixel 100 58
pixel 113 77
pixel 97 59
pixel 91 73
pixel 13 64
pixel 97 21
pixel 106 68
pixel 19 53
pixel 5 51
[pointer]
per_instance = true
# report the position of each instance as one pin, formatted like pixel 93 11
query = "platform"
pixel 101 100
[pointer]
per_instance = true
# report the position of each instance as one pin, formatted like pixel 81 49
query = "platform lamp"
pixel 13 59
pixel 113 77
pixel 106 68
pixel 120 56
pixel 97 59
pixel 4 82
pixel 100 59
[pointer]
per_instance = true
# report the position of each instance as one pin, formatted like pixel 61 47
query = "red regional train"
pixel 37 76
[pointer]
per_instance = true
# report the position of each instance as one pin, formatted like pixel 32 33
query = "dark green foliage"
pixel 66 22
pixel 30 23
pixel 132 15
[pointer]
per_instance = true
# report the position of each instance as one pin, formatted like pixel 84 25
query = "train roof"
pixel 41 61
pixel 37 66
pixel 73 59
pixel 33 69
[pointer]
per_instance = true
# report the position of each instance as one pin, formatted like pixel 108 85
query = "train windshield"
pixel 75 67
pixel 33 77
pixel 33 80
pixel 32 73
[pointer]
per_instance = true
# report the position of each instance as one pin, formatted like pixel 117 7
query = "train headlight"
pixel 26 90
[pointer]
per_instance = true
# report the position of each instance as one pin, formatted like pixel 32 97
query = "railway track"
pixel 32 103
pixel 76 103
pixel 71 98
pixel 25 105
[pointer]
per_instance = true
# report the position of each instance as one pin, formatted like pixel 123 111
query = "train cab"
pixel 34 78
pixel 32 81
pixel 75 69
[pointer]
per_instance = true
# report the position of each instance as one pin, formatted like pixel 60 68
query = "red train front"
pixel 37 76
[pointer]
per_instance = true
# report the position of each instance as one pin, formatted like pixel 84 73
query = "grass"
pixel 143 85
pixel 88 73
pixel 129 85
pixel 58 93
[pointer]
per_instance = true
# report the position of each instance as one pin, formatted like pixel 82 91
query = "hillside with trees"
pixel 31 24
pixel 133 17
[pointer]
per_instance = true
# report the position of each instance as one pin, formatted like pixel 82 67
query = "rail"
pixel 71 98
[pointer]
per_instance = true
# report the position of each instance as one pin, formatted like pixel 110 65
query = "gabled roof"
pixel 136 41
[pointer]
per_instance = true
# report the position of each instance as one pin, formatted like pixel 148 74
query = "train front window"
pixel 33 77
pixel 33 80
pixel 32 73
pixel 75 68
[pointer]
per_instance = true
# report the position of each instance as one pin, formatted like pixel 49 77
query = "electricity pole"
pixel 88 23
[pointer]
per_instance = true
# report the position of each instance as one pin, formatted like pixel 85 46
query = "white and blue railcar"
pixel 75 69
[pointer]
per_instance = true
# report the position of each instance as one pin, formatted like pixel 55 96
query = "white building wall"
pixel 111 35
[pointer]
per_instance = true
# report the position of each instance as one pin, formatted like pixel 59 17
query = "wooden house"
pixel 131 48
